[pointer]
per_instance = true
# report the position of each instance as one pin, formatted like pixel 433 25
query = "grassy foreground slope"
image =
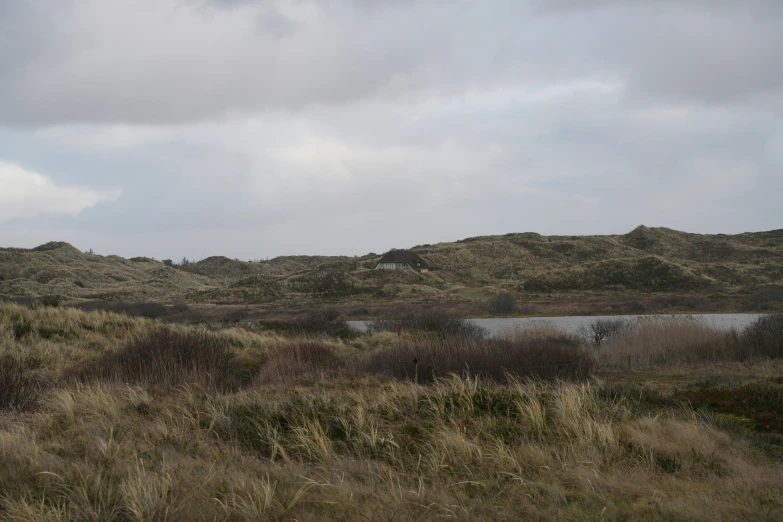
pixel 644 261
pixel 94 427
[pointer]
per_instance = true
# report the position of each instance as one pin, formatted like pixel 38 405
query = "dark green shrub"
pixel 764 337
pixel 503 303
pixel 50 300
pixel 21 328
pixel 429 321
pixel 765 298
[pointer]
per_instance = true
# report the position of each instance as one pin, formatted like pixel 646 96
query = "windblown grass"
pixel 129 444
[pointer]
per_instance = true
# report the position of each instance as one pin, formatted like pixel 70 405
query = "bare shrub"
pixel 328 322
pixel 602 330
pixel 304 358
pixel 167 357
pixel 544 358
pixel 18 389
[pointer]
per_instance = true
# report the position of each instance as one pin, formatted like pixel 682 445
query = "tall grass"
pixel 134 439
pixel 167 357
pixel 673 341
pixel 18 388
pixel 669 341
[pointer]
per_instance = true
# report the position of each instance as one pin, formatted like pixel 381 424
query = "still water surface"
pixel 571 324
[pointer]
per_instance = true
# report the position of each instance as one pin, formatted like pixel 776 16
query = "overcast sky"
pixel 258 128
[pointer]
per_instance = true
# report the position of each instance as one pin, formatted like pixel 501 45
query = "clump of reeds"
pixel 680 340
pixel 601 330
pixel 669 340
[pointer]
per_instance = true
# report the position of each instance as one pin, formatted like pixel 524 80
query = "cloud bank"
pixel 258 128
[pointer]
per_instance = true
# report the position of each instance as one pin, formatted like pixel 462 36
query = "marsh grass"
pixel 655 341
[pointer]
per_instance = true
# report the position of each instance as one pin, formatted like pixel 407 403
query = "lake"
pixel 571 324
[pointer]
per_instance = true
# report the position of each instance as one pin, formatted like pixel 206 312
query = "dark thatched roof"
pixel 405 256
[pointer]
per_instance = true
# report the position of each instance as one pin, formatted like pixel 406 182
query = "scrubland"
pixel 648 270
pixel 108 417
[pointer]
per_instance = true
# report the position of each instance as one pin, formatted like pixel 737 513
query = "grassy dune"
pixel 131 419
pixel 648 265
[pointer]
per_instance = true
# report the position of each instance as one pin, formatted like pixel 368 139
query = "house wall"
pixel 398 266
pixel 394 266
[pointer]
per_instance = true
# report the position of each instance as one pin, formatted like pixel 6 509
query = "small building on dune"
pixel 402 260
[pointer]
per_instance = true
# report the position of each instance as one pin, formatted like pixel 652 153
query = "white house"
pixel 402 260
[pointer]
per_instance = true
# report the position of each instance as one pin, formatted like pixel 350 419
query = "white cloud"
pixel 25 194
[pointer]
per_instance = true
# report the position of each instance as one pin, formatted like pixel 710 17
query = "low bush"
pixel 18 389
pixel 328 322
pixel 765 298
pixel 503 303
pixel 50 300
pixel 430 321
pixel 763 338
pixel 167 357
pixel 602 330
pixel 426 358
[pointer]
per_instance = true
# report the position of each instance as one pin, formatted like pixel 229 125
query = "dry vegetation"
pixel 107 417
pixel 646 270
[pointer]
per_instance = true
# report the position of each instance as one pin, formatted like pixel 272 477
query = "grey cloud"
pixel 301 127
pixel 269 55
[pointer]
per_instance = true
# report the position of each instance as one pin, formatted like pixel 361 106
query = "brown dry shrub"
pixel 167 357
pixel 546 358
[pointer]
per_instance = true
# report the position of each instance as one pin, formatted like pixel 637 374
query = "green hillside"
pixel 645 260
